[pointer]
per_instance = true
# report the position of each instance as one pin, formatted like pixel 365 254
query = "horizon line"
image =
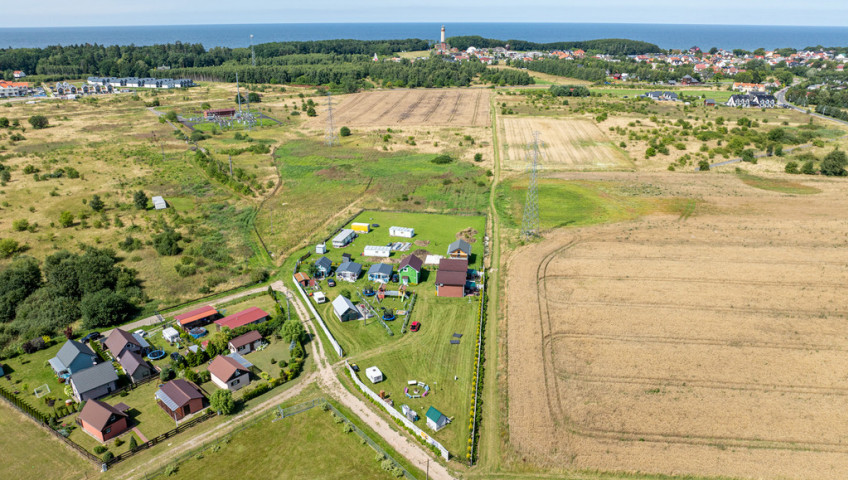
pixel 426 22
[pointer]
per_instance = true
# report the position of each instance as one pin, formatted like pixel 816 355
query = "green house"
pixel 409 270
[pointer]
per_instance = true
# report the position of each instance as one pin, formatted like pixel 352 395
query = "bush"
pixel 222 401
pixel 166 374
pixel 20 225
pixel 478 157
pixel 66 219
pixel 99 449
pixel 808 168
pixel 704 166
pixel 166 243
pixel 344 131
pixel 442 159
pixel 133 443
pixel 834 163
pixel 119 442
pixel 108 456
pixel 792 167
pixel 38 122
pixel 9 247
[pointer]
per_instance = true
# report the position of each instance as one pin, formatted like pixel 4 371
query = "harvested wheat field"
pixel 430 107
pixel 710 345
pixel 573 143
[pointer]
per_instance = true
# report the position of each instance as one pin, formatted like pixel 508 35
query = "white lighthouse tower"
pixel 442 38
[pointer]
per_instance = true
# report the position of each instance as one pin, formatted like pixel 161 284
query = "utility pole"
pixel 238 94
pixel 231 165
pixel 332 138
pixel 530 222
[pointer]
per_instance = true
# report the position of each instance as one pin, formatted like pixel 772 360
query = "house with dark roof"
pixel 451 277
pixel 245 317
pixel 348 271
pixel 103 421
pixel 135 366
pixel 94 382
pixel 120 341
pixel 459 249
pixel 198 317
pixel 228 373
pixel 345 310
pixel 409 270
pixel 179 398
pixel 380 272
pixel 323 266
pixel 244 344
pixel 72 357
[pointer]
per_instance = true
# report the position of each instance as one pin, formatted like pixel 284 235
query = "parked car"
pixel 331 282
pixel 140 333
pixel 355 367
pixel 91 336
pixel 414 326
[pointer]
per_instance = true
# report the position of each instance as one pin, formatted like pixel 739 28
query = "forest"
pixel 607 46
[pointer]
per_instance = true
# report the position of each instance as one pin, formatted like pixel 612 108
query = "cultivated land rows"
pixel 566 143
pixel 638 346
pixel 414 107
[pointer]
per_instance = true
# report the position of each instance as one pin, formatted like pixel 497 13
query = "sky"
pixel 59 13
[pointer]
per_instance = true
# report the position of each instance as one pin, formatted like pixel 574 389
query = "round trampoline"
pixel 156 354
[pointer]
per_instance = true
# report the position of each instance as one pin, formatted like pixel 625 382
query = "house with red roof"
pixel 103 421
pixel 197 317
pixel 245 317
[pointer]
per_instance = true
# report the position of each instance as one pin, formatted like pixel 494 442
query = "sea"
pixel 667 36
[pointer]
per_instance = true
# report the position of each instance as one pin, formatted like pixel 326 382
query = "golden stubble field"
pixel 708 345
pixel 566 143
pixel 449 107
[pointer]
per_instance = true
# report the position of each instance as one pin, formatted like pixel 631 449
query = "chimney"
pixel 443 34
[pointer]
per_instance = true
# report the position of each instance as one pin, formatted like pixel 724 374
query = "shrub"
pixel 704 166
pixel 478 157
pixel 66 219
pixel 133 443
pixel 166 374
pixel 38 121
pixel 222 401
pixel 344 131
pixel 108 456
pixel 808 168
pixel 99 449
pixel 20 225
pixel 442 159
pixel 119 442
pixel 792 167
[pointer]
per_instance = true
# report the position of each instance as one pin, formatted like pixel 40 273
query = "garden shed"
pixel 321 248
pixel 345 309
pixel 409 270
pixel 374 374
pixel 459 249
pixel 404 232
pixel 436 420
pixel 159 203
pixel 323 266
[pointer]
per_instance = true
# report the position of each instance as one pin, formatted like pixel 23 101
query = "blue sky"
pixel 51 13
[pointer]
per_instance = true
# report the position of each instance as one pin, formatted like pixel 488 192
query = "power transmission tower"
pixel 530 222
pixel 332 137
pixel 252 53
pixel 238 94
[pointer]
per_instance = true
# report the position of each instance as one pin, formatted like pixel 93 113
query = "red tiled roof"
pixel 245 317
pixel 196 314
pixel 224 368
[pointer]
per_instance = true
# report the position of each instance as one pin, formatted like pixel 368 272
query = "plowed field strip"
pixel 697 341
pixel 435 106
pixel 695 383
pixel 719 281
pixel 476 108
pixel 683 306
pixel 411 108
pixel 455 108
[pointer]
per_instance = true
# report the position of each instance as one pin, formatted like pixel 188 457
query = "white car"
pixel 140 333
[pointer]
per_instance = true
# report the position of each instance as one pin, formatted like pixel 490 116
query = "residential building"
pixel 380 272
pixel 459 249
pixel 323 266
pixel 404 232
pixel 245 317
pixel 135 367
pixel 348 271
pixel 451 277
pixel 244 344
pixel 18 74
pixel 179 398
pixel 73 357
pixel 227 373
pixel 13 89
pixel 94 382
pixel 409 270
pixel 103 421
pixel 381 251
pixel 120 341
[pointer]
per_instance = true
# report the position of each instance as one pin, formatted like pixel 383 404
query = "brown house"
pixel 135 366
pixel 228 373
pixel 450 279
pixel 244 344
pixel 180 398
pixel 103 421
pixel 120 341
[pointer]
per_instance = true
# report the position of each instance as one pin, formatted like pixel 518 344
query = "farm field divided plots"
pixel 432 107
pixel 704 345
pixel 577 144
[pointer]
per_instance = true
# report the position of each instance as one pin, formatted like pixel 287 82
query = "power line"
pixel 332 137
pixel 530 222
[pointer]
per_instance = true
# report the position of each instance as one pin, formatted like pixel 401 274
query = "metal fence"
pixel 161 438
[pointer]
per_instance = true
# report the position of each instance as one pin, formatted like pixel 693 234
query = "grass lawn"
pixel 29 372
pixel 30 452
pixel 779 185
pixel 295 447
pixel 717 95
pixel 433 234
pixel 575 203
pixel 428 356
pixel 277 350
pixel 263 301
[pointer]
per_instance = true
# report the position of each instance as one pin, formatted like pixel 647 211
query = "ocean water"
pixel 664 35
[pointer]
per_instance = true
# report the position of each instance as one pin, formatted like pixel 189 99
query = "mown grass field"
pixel 30 452
pixel 780 185
pixel 306 445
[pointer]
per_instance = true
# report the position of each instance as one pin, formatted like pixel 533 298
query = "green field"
pixel 779 185
pixel 294 447
pixel 30 452
pixel 719 96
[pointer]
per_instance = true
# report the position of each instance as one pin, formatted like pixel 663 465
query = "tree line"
pixel 608 46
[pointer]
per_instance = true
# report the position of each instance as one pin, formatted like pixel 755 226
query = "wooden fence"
pixel 154 441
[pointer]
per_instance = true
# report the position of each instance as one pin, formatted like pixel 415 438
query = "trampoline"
pixel 156 354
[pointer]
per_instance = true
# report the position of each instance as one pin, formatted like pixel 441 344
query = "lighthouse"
pixel 442 38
